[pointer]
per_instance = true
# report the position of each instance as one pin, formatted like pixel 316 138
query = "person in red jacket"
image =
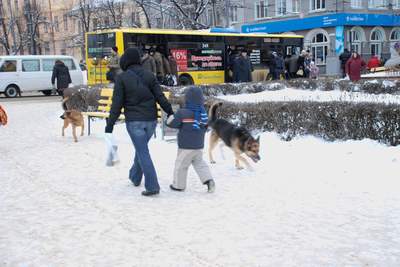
pixel 374 62
pixel 354 66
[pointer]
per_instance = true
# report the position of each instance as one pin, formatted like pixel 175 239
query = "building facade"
pixel 59 26
pixel 328 26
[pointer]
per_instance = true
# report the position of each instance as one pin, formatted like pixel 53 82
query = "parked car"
pixel 20 74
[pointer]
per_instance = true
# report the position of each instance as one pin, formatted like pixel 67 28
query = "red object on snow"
pixel 374 62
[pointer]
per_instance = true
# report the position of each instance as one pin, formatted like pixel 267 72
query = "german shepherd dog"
pixel 73 117
pixel 237 138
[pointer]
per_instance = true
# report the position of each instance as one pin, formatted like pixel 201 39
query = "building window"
pixel 95 23
pixel 261 8
pixel 107 22
pixel 46 48
pixel 317 5
pixel 281 8
pixel 395 35
pixel 233 13
pixel 377 4
pixel 396 3
pixel 356 3
pixel 65 22
pixel 319 48
pixel 377 38
pixel 355 37
pixel 286 7
pixel 56 24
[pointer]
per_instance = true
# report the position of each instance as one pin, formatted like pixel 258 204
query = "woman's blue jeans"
pixel 141 133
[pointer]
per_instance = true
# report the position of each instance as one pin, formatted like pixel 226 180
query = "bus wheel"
pixel 47 92
pixel 11 91
pixel 185 80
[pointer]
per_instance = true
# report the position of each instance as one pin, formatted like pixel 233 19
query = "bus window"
pixel 100 45
pixel 9 66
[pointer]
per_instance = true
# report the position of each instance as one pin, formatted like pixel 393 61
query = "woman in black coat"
pixel 61 73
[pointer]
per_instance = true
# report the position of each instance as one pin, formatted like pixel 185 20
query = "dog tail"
pixel 212 116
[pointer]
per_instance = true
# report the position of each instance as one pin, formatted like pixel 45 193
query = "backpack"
pixel 3 116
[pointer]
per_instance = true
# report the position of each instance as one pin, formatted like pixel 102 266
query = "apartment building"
pixel 60 26
pixel 328 26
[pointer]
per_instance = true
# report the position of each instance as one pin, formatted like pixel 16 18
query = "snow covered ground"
pixel 290 94
pixel 307 203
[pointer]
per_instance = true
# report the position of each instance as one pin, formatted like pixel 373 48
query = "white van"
pixel 20 74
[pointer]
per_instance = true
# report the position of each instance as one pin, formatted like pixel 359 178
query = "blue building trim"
pixel 329 20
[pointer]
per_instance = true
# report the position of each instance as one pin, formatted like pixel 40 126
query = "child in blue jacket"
pixel 191 122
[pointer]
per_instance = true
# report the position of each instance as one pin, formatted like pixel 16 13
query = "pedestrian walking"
pixel 148 62
pixel 293 66
pixel 242 68
pixel 62 75
pixel 343 57
pixel 137 91
pixel 279 65
pixel 272 66
pixel 192 124
pixel 113 65
pixel 162 65
pixel 354 66
pixel 173 66
pixel 314 70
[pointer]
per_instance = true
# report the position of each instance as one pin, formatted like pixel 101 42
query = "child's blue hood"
pixel 194 95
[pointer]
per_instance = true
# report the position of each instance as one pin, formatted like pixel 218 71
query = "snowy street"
pixel 307 202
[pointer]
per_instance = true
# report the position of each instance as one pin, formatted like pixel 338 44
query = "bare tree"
pixel 5 31
pixel 83 12
pixel 190 11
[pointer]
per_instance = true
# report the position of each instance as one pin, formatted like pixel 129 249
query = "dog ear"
pixel 258 139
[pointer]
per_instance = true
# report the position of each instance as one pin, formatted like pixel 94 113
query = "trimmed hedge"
pixel 328 120
pixel 325 84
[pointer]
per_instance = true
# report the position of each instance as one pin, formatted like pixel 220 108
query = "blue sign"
pixel 330 20
pixel 339 42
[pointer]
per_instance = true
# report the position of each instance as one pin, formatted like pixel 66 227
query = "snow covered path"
pixel 307 203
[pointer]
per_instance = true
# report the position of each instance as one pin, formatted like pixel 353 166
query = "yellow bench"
pixel 103 109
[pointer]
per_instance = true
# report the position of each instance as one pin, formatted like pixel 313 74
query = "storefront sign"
pixel 331 20
pixel 339 43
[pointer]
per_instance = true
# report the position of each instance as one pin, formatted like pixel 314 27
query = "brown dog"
pixel 73 117
pixel 238 139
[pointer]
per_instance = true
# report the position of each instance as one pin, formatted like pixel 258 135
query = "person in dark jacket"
pixel 137 91
pixel 148 62
pixel 61 73
pixel 354 66
pixel 343 57
pixel 242 68
pixel 192 123
pixel 293 67
pixel 279 65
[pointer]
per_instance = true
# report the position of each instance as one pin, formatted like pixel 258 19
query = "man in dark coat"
pixel 137 91
pixel 343 60
pixel 279 66
pixel 61 73
pixel 242 68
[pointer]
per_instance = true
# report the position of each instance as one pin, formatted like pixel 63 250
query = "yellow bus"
pixel 202 57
